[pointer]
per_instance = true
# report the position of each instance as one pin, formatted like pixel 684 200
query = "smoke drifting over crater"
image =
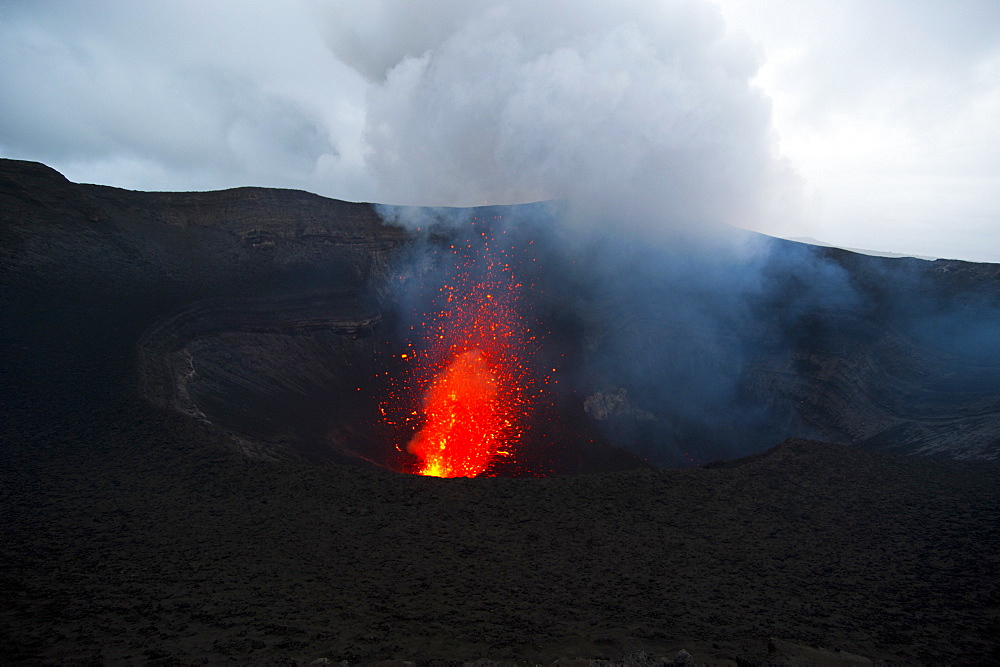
pixel 641 121
pixel 687 352
pixel 640 113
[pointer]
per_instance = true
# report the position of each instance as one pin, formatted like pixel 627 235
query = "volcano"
pixel 197 461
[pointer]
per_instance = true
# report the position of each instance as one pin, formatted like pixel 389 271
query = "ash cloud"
pixel 637 112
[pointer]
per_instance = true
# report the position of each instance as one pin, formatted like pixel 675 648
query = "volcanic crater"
pixel 176 362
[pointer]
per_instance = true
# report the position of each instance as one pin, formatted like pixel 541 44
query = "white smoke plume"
pixel 639 110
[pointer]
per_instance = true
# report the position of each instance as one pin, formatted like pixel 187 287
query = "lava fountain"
pixel 463 423
pixel 470 368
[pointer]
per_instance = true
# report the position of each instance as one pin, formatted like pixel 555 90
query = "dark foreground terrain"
pixel 133 531
pixel 135 537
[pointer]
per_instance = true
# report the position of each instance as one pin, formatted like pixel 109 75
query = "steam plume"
pixel 638 111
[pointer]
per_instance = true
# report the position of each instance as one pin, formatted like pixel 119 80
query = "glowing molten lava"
pixel 464 422
pixel 470 371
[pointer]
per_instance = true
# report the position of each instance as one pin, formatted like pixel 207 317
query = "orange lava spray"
pixel 463 419
pixel 472 374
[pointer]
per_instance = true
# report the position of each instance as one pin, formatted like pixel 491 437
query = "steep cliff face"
pixel 268 313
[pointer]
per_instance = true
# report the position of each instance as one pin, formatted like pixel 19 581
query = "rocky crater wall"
pixel 269 313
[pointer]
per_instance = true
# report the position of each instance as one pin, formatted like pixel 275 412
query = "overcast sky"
pixel 867 124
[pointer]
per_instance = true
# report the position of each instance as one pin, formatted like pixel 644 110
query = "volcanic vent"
pixel 473 387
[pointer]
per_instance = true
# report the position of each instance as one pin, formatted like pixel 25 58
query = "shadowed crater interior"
pixel 275 315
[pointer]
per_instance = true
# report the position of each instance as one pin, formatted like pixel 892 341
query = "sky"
pixel 863 124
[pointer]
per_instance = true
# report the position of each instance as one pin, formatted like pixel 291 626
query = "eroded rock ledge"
pixel 268 353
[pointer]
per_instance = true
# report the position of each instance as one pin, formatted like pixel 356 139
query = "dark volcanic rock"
pixel 910 364
pixel 190 270
pixel 195 243
pixel 117 551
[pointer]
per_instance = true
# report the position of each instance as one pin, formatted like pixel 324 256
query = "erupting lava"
pixel 463 423
pixel 471 375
